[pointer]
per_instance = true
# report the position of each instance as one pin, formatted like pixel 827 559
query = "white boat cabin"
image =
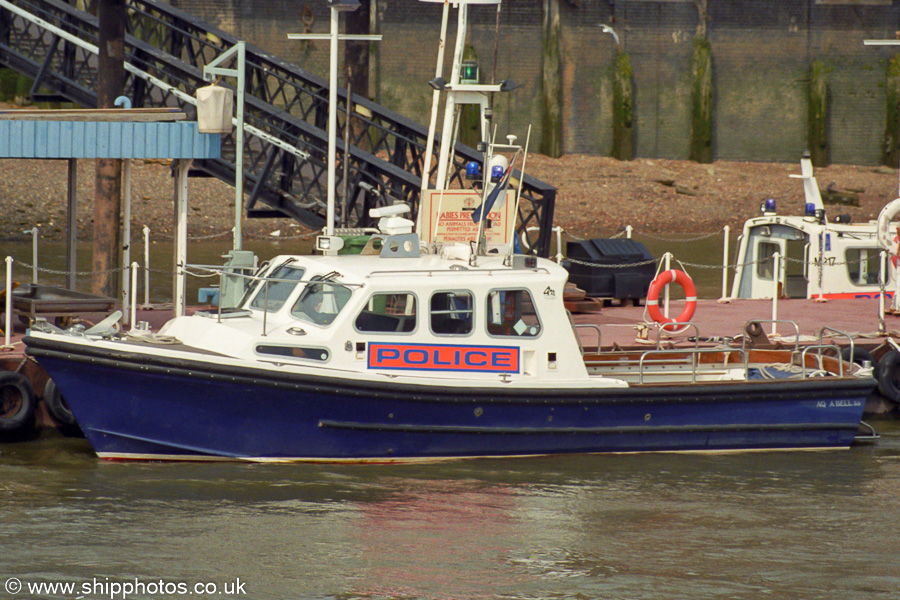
pixel 816 257
pixel 431 315
pixel 834 260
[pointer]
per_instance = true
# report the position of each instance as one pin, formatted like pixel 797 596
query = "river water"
pixel 662 526
pixel 657 526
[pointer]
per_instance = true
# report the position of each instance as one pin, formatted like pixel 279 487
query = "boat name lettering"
pixel 440 357
pixel 828 261
pixel 838 403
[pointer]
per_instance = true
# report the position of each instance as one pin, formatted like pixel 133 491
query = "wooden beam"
pixel 96 115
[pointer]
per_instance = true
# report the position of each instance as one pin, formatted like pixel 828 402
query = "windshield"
pixel 272 293
pixel 321 301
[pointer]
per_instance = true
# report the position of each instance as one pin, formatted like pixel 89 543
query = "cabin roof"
pixel 359 268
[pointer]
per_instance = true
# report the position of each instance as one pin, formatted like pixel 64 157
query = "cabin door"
pixel 796 268
pixel 792 271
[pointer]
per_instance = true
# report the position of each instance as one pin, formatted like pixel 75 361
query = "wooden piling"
pixel 623 108
pixel 890 153
pixel 817 131
pixel 108 192
pixel 701 102
pixel 551 88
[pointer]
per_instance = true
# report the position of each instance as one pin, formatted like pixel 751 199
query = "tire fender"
pixel 887 373
pixel 56 404
pixel 860 355
pixel 17 402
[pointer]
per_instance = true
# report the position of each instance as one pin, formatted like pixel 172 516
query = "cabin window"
pixel 765 261
pixel 320 301
pixel 862 265
pixel 512 313
pixel 388 313
pixel 274 291
pixel 452 312
pixel 308 353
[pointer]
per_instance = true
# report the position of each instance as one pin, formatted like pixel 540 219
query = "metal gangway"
pixel 54 42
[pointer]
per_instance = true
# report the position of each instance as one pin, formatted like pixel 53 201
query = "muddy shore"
pixel 597 196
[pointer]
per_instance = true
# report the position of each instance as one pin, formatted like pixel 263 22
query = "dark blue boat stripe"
pixel 454 429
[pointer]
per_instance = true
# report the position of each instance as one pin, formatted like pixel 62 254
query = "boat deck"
pixel 715 320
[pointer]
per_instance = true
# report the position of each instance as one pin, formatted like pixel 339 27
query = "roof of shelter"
pixel 104 133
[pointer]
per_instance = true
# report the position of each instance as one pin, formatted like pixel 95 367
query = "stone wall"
pixel 761 52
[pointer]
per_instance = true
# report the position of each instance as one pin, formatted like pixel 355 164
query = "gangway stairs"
pixel 54 42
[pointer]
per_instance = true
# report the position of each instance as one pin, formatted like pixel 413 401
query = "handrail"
pixel 223 270
pixel 575 331
pixel 593 326
pixel 454 272
pixel 820 347
pixel 677 324
pixel 691 359
pixel 840 333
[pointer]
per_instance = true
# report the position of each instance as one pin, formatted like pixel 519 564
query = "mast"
pixel 328 243
pixel 459 94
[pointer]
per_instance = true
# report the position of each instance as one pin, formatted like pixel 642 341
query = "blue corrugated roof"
pixel 104 139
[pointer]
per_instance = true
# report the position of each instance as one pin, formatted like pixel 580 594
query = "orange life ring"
pixel 690 295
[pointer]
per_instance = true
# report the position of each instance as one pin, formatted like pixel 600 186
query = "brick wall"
pixel 762 50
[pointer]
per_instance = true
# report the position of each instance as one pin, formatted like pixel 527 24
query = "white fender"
pixel 890 243
pixel 885 236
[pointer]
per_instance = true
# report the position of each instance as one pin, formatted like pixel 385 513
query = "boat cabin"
pixel 816 258
pixel 427 315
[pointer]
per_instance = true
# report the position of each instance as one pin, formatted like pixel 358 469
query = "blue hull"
pixel 129 407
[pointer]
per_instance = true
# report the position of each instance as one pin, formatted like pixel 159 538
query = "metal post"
pixel 146 267
pixel 667 259
pixel 7 330
pixel 209 71
pixel 332 121
pixel 126 235
pixel 178 292
pixel 345 164
pixel 333 37
pixel 134 279
pixel 71 223
pixel 34 254
pixel 725 264
pixel 776 278
pixel 559 254
pixel 896 300
pixel 821 265
pixel 435 104
pixel 882 271
pixel 239 150
pixel 449 107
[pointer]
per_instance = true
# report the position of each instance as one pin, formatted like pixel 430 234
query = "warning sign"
pixel 447 217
